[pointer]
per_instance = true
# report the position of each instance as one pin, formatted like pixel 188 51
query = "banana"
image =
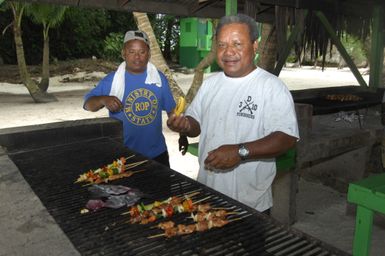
pixel 180 106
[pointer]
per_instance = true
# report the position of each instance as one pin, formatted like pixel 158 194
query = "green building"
pixel 195 42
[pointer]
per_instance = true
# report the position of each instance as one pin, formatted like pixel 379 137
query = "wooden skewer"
pixel 131 156
pixel 133 172
pixel 158 235
pixel 222 208
pixel 227 213
pixel 233 213
pixel 191 194
pixel 132 165
pixel 232 220
pixel 201 200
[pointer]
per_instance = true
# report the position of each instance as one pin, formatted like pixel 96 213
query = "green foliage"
pixel 167 30
pixel 113 47
pixel 291 58
pixel 83 33
pixel 47 14
pixel 355 48
pixel 1 1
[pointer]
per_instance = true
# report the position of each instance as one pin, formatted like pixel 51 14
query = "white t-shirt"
pixel 237 110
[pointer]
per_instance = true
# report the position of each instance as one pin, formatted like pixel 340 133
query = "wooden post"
pixel 341 48
pixel 284 53
pixel 231 7
pixel 377 47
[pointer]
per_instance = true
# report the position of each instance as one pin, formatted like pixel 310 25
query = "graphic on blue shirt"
pixel 141 107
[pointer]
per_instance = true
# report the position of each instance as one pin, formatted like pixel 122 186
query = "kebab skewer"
pixel 116 170
pixel 211 215
pixel 171 230
pixel 144 214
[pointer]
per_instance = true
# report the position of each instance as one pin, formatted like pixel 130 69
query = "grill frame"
pixel 321 106
pixel 103 233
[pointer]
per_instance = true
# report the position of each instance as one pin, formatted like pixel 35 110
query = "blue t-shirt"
pixel 142 111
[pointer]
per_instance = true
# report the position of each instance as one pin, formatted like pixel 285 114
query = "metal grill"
pixel 51 173
pixel 323 106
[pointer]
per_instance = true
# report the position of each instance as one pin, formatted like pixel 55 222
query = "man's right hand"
pixel 112 103
pixel 179 124
pixel 95 103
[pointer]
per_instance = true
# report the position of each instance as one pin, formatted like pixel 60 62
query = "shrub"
pixel 113 47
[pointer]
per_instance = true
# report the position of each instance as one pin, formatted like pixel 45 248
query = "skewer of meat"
pixel 165 210
pixel 113 177
pixel 174 201
pixel 201 226
pixel 221 214
pixel 116 170
pixel 143 214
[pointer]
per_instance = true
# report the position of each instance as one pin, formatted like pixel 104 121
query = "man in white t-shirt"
pixel 245 117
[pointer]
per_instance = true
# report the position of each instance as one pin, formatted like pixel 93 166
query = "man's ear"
pixel 122 53
pixel 255 46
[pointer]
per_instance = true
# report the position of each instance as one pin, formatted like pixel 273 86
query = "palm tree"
pixel 199 70
pixel 37 95
pixel 267 48
pixel 49 16
pixel 157 58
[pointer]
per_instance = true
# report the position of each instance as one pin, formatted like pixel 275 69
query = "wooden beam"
pixel 231 7
pixel 284 53
pixel 196 6
pixel 176 8
pixel 341 48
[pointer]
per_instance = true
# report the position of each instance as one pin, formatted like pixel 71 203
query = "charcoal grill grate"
pixel 51 173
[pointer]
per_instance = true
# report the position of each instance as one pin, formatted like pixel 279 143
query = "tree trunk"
pixel 268 47
pixel 167 42
pixel 37 95
pixel 199 70
pixel 44 82
pixel 157 59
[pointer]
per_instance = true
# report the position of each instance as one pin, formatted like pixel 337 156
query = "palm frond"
pixel 48 14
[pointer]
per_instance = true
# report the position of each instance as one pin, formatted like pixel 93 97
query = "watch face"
pixel 243 151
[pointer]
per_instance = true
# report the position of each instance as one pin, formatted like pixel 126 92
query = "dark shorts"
pixel 163 159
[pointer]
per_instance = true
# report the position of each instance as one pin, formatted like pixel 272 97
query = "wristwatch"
pixel 243 152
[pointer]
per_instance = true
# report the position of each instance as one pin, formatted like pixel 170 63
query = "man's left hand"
pixel 223 158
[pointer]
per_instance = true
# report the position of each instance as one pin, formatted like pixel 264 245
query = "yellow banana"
pixel 180 106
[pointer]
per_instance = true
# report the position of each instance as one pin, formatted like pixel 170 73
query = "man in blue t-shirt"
pixel 136 94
